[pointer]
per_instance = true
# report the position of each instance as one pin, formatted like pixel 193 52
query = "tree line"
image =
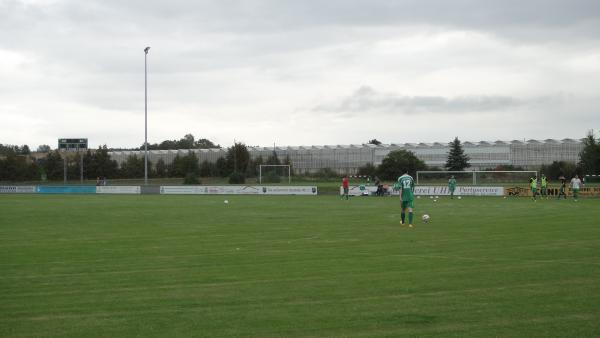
pixel 16 164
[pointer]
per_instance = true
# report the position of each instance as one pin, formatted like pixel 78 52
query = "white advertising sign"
pixel 288 190
pixel 238 190
pixel 117 189
pixel 460 191
pixel 17 189
pixel 431 190
pixel 359 190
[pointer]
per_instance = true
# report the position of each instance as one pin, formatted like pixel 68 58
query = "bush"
pixel 237 178
pixel 191 178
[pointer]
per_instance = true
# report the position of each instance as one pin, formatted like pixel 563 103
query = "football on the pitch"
pixel 226 201
pixel 459 197
pixel 425 218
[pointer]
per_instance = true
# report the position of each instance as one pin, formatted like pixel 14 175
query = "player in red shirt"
pixel 346 186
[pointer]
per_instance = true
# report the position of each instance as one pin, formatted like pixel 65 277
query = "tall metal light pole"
pixel 146 115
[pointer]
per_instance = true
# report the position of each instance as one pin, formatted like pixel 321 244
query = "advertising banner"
pixel 75 189
pixel 360 190
pixel 430 191
pixel 460 191
pixel 238 190
pixel 552 191
pixel 118 189
pixel 16 189
pixel 288 190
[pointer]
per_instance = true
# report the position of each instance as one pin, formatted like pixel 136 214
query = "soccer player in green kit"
pixel 406 184
pixel 533 184
pixel 452 186
pixel 544 186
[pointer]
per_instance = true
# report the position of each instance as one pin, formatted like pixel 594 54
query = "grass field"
pixel 269 266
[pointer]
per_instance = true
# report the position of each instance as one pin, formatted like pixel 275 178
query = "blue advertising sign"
pixel 75 189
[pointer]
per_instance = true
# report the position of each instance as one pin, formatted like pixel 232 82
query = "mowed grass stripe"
pixel 295 266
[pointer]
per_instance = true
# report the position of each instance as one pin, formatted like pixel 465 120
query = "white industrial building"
pixel 348 158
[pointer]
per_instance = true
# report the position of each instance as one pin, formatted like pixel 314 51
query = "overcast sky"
pixel 298 72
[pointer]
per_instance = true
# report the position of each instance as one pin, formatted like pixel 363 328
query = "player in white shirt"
pixel 575 185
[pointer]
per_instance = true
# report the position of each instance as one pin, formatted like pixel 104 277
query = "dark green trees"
pixel 457 160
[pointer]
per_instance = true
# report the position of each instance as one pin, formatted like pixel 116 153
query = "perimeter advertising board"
pixel 238 190
pixel 431 191
pixel 75 189
pixel 118 189
pixel 16 189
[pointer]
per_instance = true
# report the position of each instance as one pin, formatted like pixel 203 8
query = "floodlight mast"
pixel 146 115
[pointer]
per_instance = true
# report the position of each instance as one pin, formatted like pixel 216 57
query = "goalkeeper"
pixel 452 186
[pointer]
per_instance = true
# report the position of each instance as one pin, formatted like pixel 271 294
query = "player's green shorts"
pixel 346 191
pixel 575 191
pixel 534 190
pixel 408 204
pixel 544 191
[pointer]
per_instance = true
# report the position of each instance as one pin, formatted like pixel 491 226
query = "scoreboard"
pixel 72 144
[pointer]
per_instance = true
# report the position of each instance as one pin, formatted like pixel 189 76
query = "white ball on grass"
pixel 226 201
pixel 425 218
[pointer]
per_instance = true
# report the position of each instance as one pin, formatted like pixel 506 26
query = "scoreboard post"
pixel 72 145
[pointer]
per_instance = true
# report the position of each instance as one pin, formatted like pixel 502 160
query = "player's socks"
pixel 402 216
pixel 410 218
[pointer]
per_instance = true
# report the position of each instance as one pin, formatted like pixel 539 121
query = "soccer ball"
pixel 459 197
pixel 425 218
pixel 226 201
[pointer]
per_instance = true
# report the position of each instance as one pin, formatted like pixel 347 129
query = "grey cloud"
pixel 367 100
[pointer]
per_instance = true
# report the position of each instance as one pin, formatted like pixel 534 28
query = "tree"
pixel 18 168
pixel 237 158
pixel 43 148
pixel 187 142
pixel 53 165
pixel 208 169
pixel 182 165
pixel 558 169
pixel 10 149
pixel 133 167
pixel 457 160
pixel 589 157
pixel 205 144
pixel 368 169
pixel 221 167
pixel 25 150
pixel 99 164
pixel 394 164
pixel 161 169
pixel 374 141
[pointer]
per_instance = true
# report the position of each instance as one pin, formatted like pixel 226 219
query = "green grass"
pixel 269 266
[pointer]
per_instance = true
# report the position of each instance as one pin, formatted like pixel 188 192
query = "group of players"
pixel 543 182
pixel 406 187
